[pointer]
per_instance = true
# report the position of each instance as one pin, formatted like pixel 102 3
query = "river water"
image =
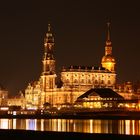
pixel 129 127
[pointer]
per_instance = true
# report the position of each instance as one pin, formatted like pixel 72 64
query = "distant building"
pixel 3 96
pixel 125 89
pixel 18 100
pixel 76 80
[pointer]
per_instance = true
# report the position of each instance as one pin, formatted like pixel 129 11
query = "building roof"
pixel 102 92
pixel 85 68
pixel 108 58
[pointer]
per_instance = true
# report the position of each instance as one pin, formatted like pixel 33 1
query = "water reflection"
pixel 4 124
pixel 72 125
pixel 31 124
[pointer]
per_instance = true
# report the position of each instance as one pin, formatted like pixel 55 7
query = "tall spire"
pixel 49 27
pixel 108 47
pixel 49 44
pixel 48 58
pixel 48 74
pixel 108 60
pixel 108 31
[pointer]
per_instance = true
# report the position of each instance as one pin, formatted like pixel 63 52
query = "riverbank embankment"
pixel 48 135
pixel 79 115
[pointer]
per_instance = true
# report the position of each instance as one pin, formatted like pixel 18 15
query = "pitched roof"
pixel 102 92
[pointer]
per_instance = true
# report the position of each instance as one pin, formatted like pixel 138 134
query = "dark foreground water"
pixel 129 127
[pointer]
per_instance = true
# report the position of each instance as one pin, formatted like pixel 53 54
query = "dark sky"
pixel 79 27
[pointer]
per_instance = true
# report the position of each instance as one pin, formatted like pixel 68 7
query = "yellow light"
pixel 59 108
pixel 14 113
pixel 32 108
pixel 127 105
pixel 91 106
pixel 4 108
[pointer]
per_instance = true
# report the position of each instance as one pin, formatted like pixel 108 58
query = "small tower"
pixel 108 60
pixel 48 74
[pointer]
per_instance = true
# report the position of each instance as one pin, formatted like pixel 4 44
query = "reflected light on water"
pixel 59 128
pixel 127 126
pixel 97 126
pixel 4 124
pixel 133 127
pixel 91 126
pixel 42 124
pixel 14 124
pixel 31 124
pixel 74 125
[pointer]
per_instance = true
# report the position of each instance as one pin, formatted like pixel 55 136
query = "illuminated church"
pixel 76 80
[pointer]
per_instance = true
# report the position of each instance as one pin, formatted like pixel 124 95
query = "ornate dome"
pixel 108 58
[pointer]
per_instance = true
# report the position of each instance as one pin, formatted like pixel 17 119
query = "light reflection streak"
pixel 64 124
pixel 133 127
pixel 10 123
pixel 14 123
pixel 91 126
pixel 4 124
pixel 105 126
pixel 31 124
pixel 127 127
pixel 120 127
pixel 42 124
pixel 97 126
pixel 59 125
pixel 54 125
pixel 74 126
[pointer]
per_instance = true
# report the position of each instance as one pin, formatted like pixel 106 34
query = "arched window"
pixel 89 81
pixel 82 81
pixel 96 82
pixel 67 81
pixel 102 81
pixel 75 81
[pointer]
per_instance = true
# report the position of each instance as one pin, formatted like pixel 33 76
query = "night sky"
pixel 79 28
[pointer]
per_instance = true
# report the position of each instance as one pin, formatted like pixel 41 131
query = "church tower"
pixel 48 74
pixel 108 60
